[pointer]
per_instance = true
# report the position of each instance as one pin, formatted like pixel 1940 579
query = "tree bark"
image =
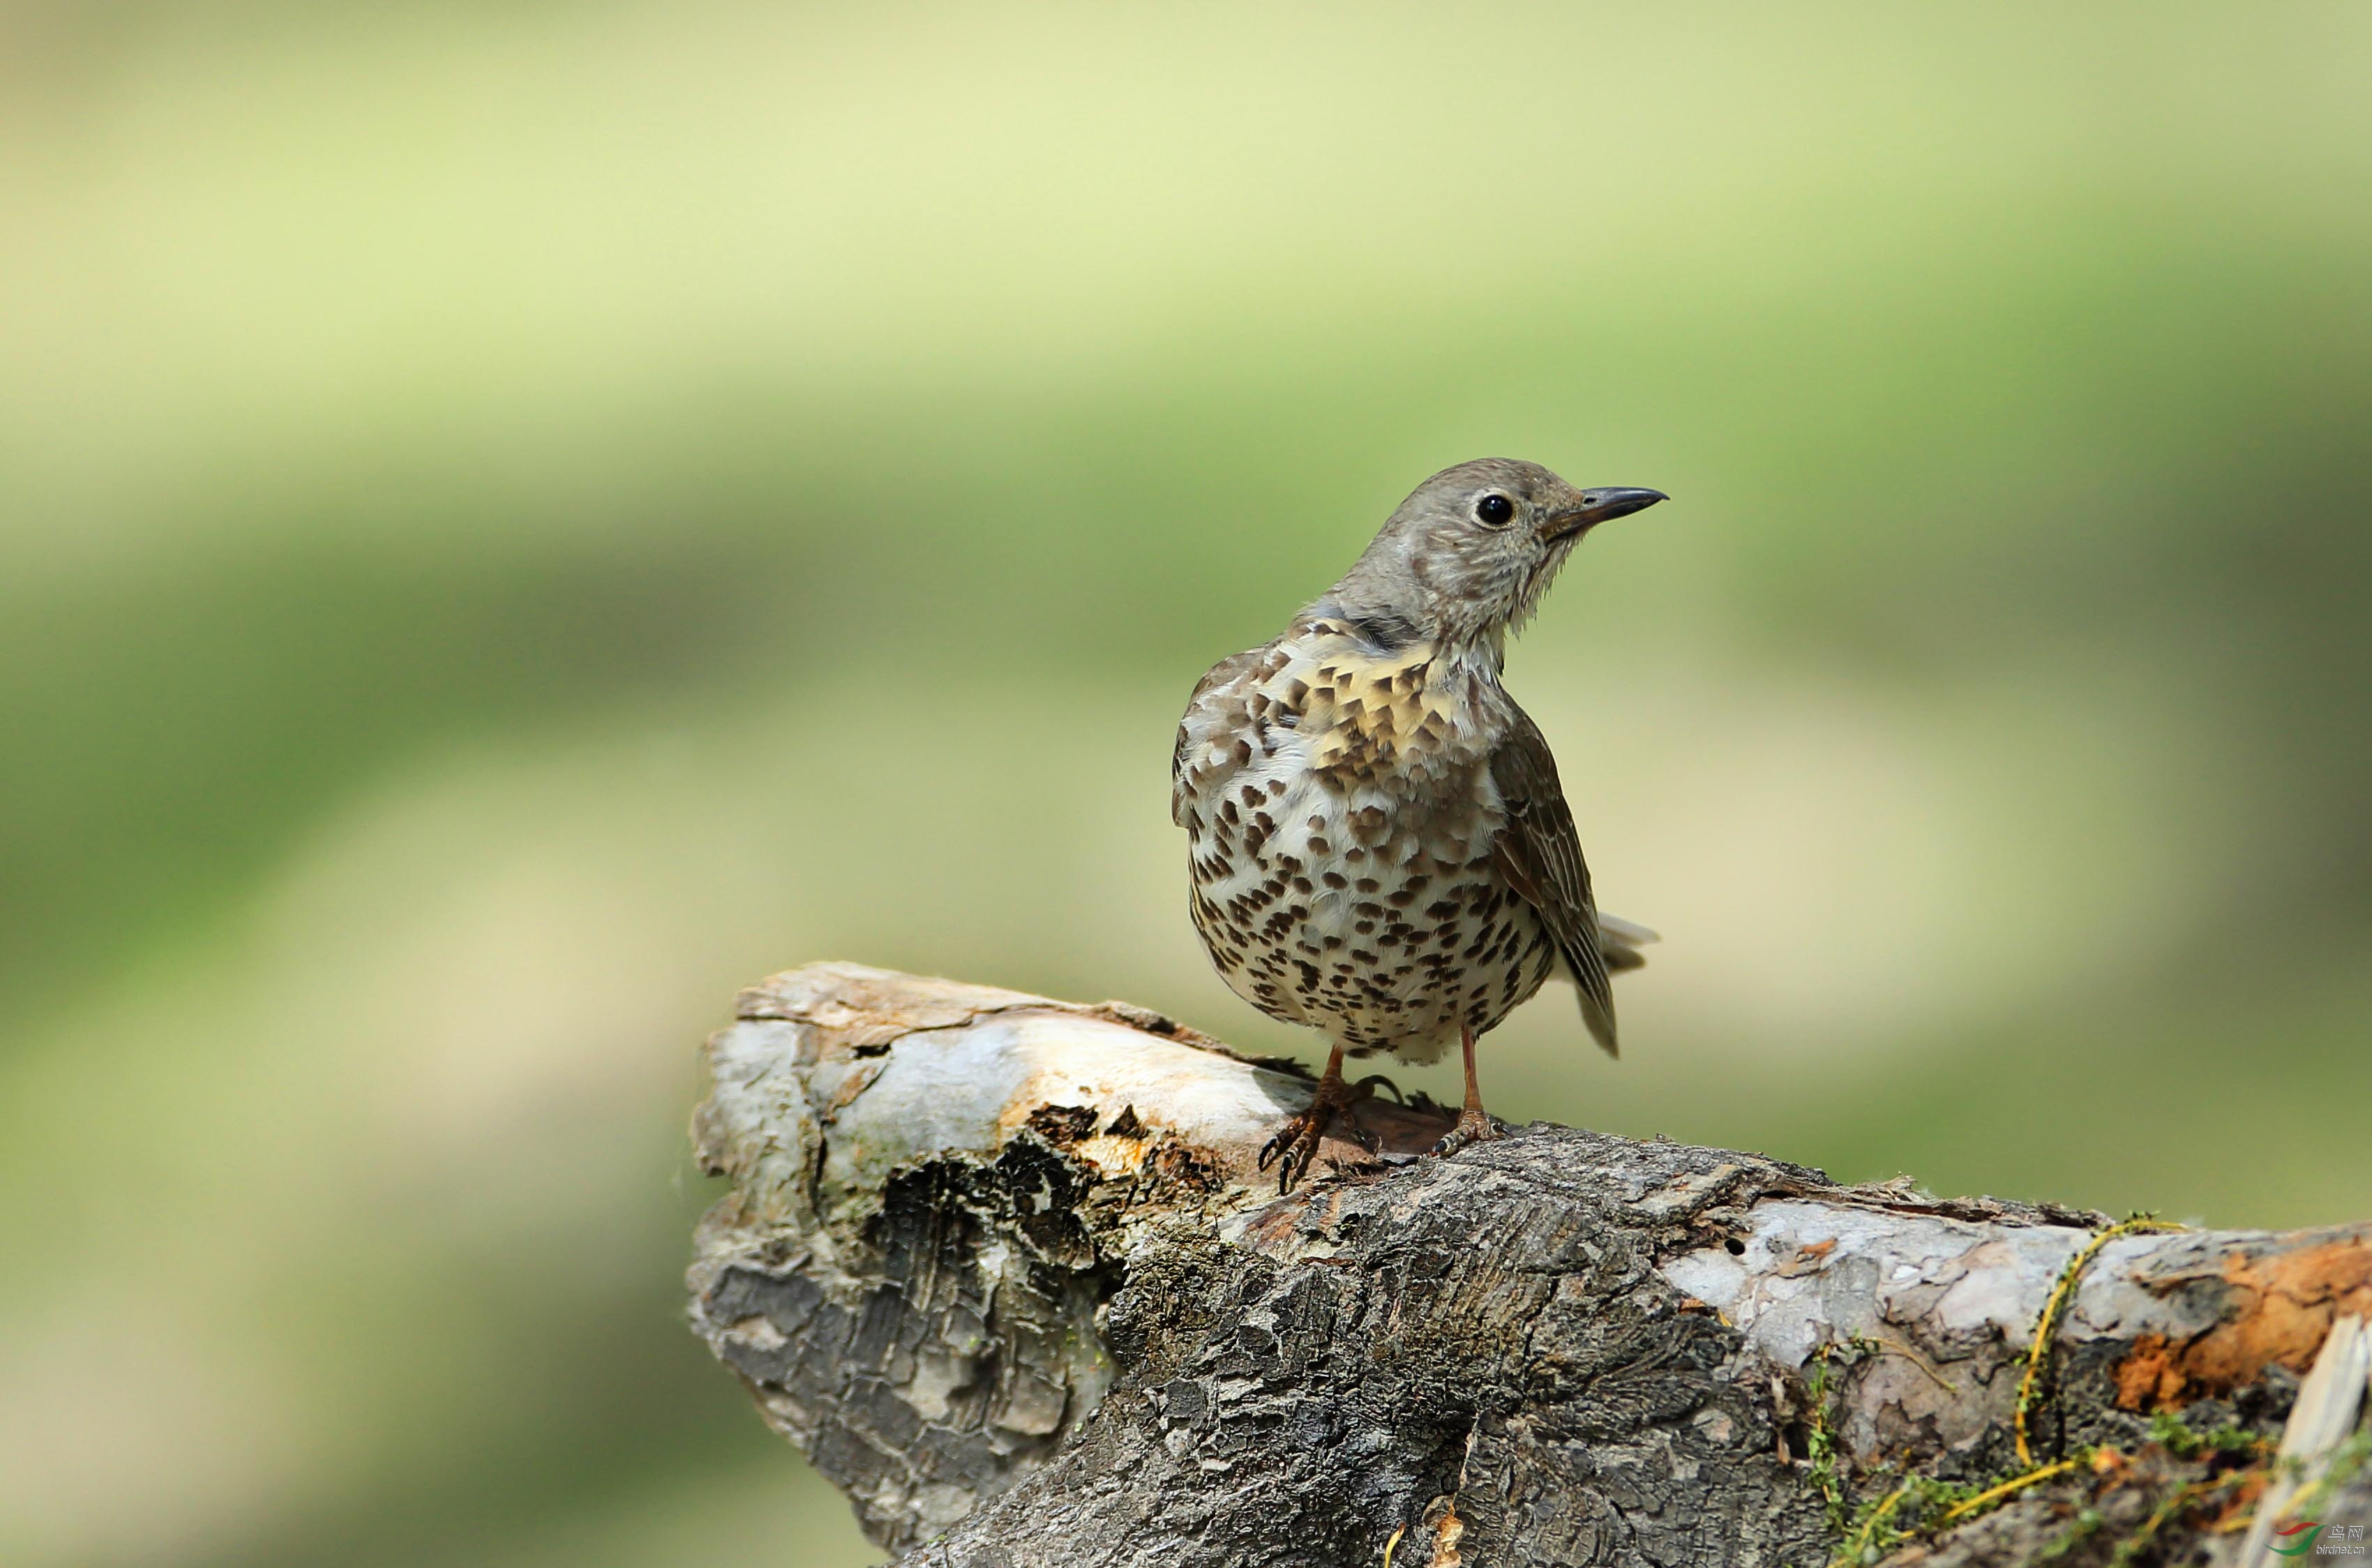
pixel 1007 1270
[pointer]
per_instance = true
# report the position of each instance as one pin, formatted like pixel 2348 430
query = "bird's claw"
pixel 1294 1147
pixel 1474 1127
pixel 1294 1144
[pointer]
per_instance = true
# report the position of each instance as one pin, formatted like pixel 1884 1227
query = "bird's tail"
pixel 1618 942
pixel 1618 946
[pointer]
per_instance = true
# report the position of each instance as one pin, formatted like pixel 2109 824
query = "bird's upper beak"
pixel 1596 505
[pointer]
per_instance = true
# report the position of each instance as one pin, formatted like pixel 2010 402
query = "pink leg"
pixel 1474 1123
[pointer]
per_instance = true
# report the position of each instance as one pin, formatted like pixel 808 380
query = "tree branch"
pixel 1007 1271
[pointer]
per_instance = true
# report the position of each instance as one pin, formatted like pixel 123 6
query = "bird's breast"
pixel 1398 720
pixel 1342 815
pixel 1352 744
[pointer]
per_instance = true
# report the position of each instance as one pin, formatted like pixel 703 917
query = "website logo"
pixel 2306 1530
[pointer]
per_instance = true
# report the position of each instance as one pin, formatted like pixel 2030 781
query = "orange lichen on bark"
pixel 2281 1307
pixel 2148 1376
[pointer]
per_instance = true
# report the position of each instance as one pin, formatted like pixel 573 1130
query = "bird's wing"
pixel 1203 712
pixel 1539 854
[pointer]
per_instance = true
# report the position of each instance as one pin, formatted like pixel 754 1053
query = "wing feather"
pixel 1540 855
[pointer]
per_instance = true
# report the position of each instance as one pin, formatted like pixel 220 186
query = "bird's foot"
pixel 1474 1126
pixel 1295 1146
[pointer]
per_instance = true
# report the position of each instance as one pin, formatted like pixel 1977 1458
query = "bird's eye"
pixel 1493 511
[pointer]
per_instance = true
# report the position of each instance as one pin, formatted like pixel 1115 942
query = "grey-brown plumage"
pixel 1379 845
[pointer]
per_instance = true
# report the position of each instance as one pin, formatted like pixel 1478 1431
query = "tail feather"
pixel 1618 942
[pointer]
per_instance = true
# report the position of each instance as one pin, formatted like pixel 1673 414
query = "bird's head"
pixel 1465 559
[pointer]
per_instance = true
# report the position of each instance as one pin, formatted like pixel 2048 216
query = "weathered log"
pixel 1007 1270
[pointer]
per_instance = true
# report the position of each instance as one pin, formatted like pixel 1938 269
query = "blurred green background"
pixel 518 518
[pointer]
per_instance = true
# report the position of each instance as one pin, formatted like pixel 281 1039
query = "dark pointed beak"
pixel 1598 506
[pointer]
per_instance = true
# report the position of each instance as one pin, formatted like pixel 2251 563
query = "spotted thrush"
pixel 1380 849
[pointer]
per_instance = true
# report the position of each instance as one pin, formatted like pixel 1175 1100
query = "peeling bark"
pixel 1006 1270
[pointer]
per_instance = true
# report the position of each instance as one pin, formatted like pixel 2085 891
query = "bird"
pixel 1380 847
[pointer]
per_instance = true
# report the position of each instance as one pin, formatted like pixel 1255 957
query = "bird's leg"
pixel 1296 1143
pixel 1474 1123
